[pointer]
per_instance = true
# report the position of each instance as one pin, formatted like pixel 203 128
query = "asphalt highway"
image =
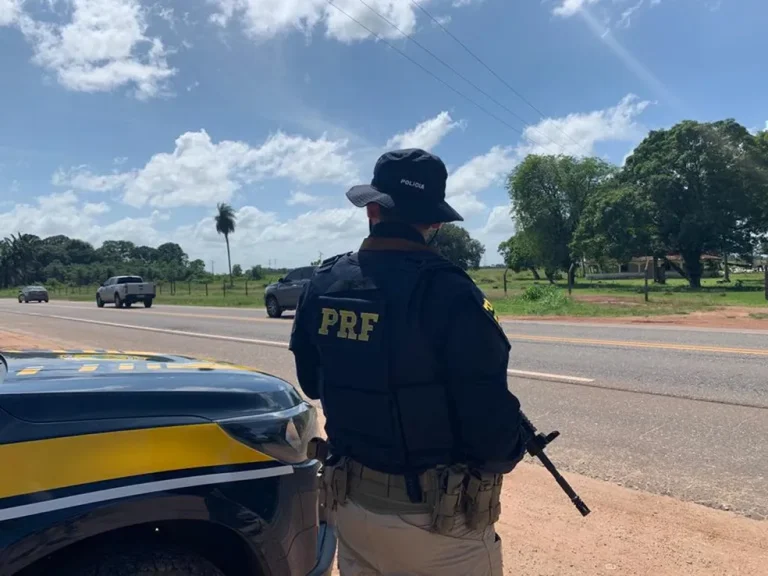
pixel 682 412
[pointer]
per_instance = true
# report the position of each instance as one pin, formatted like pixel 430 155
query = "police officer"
pixel 410 364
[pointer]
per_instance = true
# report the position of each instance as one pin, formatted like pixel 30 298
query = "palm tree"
pixel 225 224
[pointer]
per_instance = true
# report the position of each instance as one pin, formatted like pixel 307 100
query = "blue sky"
pixel 128 119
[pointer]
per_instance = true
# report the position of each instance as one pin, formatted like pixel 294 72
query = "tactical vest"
pixel 385 404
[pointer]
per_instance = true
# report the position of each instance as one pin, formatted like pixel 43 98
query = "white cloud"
pixel 466 204
pixel 462 3
pixel 577 134
pixel 500 222
pixel 200 172
pixel 476 175
pixel 81 178
pixel 481 171
pixel 567 8
pixel 9 12
pixel 62 213
pixel 94 209
pixel 261 236
pixel 103 47
pixel 264 19
pixel 626 15
pixel 426 135
pixel 497 228
pixel 297 198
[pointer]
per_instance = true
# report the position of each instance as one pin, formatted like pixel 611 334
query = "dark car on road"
pixel 284 294
pixel 141 464
pixel 33 294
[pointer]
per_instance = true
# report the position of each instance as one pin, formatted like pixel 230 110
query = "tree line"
pixel 688 191
pixel 27 259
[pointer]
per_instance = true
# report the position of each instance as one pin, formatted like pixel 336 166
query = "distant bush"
pixel 534 293
pixel 544 299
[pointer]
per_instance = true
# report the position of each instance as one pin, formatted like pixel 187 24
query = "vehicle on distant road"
pixel 284 294
pixel 135 463
pixel 33 294
pixel 125 291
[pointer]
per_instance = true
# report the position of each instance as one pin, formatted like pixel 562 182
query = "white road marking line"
pixel 139 489
pixel 162 330
pixel 550 377
pixel 516 373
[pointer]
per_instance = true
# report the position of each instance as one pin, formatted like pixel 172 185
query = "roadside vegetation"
pixel 525 296
pixel 688 211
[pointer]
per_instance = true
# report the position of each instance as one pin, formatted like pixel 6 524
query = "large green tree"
pixel 225 225
pixel 549 194
pixel 519 254
pixel 617 224
pixel 706 182
pixel 455 244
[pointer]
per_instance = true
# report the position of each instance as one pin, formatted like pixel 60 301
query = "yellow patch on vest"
pixel 348 324
pixel 489 307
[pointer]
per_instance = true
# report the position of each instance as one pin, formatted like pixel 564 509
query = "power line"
pixel 435 76
pixel 459 74
pixel 497 76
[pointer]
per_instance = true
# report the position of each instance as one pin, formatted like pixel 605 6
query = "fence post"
pixel 505 281
pixel 647 270
pixel 246 287
pixel 765 268
pixel 206 288
pixel 189 287
pixel 224 288
pixel 570 278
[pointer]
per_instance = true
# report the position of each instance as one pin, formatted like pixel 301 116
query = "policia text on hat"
pixel 410 363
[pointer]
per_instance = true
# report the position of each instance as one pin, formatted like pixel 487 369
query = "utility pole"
pixel 212 271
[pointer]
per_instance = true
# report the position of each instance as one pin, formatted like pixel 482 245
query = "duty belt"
pixel 388 493
pixel 447 493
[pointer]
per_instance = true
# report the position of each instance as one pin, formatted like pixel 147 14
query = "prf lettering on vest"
pixel 348 324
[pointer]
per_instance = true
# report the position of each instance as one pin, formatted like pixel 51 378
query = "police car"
pixel 137 463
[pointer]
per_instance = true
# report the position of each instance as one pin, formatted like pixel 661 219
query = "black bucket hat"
pixel 412 183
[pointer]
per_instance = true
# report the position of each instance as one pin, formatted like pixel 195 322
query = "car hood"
pixel 59 385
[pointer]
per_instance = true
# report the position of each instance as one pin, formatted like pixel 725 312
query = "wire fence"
pixel 180 289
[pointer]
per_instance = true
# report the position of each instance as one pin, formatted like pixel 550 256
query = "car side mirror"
pixel 280 280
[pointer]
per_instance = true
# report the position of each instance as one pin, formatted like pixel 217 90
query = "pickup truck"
pixel 125 291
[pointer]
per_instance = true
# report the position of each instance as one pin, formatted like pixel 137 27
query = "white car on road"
pixel 125 291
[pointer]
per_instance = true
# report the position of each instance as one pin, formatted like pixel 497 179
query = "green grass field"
pixel 617 297
pixel 524 297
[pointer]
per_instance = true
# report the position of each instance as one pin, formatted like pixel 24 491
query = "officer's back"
pixel 410 365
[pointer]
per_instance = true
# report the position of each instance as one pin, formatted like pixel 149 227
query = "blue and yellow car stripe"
pixel 55 463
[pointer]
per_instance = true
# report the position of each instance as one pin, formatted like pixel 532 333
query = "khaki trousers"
pixel 400 545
